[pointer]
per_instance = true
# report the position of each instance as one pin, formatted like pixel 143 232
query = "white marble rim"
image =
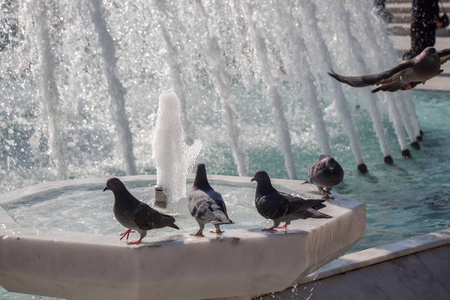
pixel 372 256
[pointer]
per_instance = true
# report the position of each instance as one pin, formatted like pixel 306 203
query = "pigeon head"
pixel 328 163
pixel 201 181
pixel 428 54
pixel 261 177
pixel 430 50
pixel 114 184
pixel 263 185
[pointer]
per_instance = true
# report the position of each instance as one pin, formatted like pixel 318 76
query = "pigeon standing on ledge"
pixel 134 214
pixel 325 172
pixel 404 76
pixel 205 204
pixel 282 207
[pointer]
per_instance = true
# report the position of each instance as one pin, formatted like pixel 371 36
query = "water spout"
pixel 175 71
pixel 222 81
pixel 250 77
pixel 173 158
pixel 396 121
pixel 115 88
pixel 299 71
pixel 375 42
pixel 318 50
pixel 283 135
pixel 49 89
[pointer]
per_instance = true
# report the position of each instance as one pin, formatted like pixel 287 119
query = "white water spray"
pixel 115 87
pixel 376 42
pixel 49 89
pixel 258 65
pixel 299 71
pixel 318 50
pixel 365 42
pixel 173 158
pixel 222 82
pixel 174 66
pixel 283 135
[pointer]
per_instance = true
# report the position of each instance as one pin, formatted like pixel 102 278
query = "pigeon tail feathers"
pixel 312 213
pixel 169 221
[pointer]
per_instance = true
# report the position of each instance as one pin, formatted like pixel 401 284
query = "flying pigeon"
pixel 205 204
pixel 134 214
pixel 282 207
pixel 404 76
pixel 325 172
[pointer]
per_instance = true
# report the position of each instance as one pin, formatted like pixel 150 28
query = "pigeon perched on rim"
pixel 404 76
pixel 283 207
pixel 205 204
pixel 134 214
pixel 325 173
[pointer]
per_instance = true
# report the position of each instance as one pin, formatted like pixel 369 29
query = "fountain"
pixel 233 71
pixel 252 86
pixel 244 260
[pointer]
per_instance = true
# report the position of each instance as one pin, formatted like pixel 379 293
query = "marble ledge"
pixel 372 256
pixel 247 262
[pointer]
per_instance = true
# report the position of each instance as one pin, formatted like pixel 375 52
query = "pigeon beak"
pixel 253 179
pixel 106 188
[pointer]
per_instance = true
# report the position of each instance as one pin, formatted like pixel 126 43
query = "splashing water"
pixel 174 159
pixel 250 76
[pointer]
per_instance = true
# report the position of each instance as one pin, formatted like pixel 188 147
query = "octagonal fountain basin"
pixel 60 260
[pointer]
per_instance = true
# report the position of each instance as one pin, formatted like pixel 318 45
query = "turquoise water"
pixel 409 198
pixel 412 197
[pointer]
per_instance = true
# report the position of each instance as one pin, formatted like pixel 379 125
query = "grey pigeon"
pixel 404 76
pixel 134 214
pixel 325 173
pixel 205 204
pixel 283 207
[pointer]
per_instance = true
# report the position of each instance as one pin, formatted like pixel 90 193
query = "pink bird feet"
pixel 284 227
pixel 135 242
pixel 126 233
pixel 217 232
pixel 269 229
pixel 327 194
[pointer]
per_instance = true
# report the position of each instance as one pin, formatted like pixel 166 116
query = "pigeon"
pixel 325 172
pixel 404 76
pixel 134 214
pixel 205 204
pixel 282 207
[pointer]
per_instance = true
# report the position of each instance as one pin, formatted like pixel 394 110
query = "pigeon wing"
pixel 298 204
pixel 387 76
pixel 444 55
pixel 272 206
pixel 145 217
pixel 217 198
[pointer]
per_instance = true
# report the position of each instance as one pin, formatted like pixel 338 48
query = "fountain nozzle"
pixel 362 168
pixel 388 160
pixel 160 197
pixel 406 153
